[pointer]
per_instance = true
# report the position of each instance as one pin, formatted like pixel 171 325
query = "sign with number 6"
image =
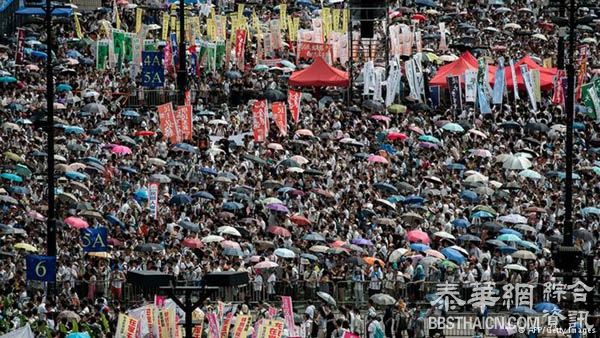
pixel 41 268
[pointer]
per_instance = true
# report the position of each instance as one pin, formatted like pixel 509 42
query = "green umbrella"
pixel 8 79
pixel 453 127
pixel 397 109
pixel 64 87
pixel 23 170
pixel 254 159
pixel 261 68
pixel 429 138
pixel 448 264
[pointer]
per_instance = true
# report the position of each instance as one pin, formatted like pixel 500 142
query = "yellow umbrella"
pixel 100 255
pixel 26 247
pixel 12 156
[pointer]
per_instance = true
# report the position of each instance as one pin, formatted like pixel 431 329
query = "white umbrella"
pixel 459 249
pixel 212 239
pixel 476 178
pixel 229 230
pixel 516 163
pixel 515 267
pixel 157 161
pixel 397 254
pixel 444 234
pixel 319 248
pixel 284 253
pixel 523 254
pixel 326 297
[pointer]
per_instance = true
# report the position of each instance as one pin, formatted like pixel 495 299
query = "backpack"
pixel 379 332
pixel 401 322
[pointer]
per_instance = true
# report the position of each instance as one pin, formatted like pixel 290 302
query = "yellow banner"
pixel 345 18
pixel 240 11
pixel 78 27
pixel 197 27
pixel 165 26
pixel 173 25
pixel 117 19
pixel 547 63
pixel 256 25
pixel 283 16
pixel 242 324
pixel 293 25
pixel 211 31
pixel 138 19
pixel 326 16
pixel 212 13
pixel 335 17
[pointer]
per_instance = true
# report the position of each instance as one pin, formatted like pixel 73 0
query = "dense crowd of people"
pixel 345 204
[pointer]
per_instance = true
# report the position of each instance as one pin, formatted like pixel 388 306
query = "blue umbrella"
pixel 233 252
pixel 78 335
pixel 209 171
pixel 92 140
pixel 204 194
pixel 180 199
pixel 523 310
pixel 507 250
pixel 511 231
pixel 496 242
pixel 590 211
pixel 75 175
pixel 456 166
pixel 461 223
pixel 39 55
pixel 419 247
pixel 453 255
pixel 562 175
pixel 482 214
pixel 141 195
pixel 395 198
pixel 186 147
pixel 578 126
pixel 11 177
pixel 315 237
pixel 546 307
pixel 128 170
pixel 469 196
pixel 232 206
pixel 64 87
pixel 425 3
pixel 130 113
pixel 469 238
pixel 528 245
pixel 73 130
pixel 385 187
pixel 413 200
pixel 18 190
pixel 98 131
pixel 112 219
pixel 8 79
pixel 191 226
pixel 74 54
pixel 509 238
pixel 91 159
pixel 310 257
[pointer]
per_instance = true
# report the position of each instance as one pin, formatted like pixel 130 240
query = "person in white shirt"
pixel 257 285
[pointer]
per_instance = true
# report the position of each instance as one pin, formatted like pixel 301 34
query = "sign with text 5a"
pixel 94 239
pixel 41 268
pixel 153 72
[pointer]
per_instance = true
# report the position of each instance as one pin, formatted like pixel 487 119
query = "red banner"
pixel 311 50
pixel 183 116
pixel 188 98
pixel 280 116
pixel 350 335
pixel 583 56
pixel 294 98
pixel 168 54
pixel 288 312
pixel 167 122
pixel 259 127
pixel 20 45
pixel 225 326
pixel 558 97
pixel 240 48
pixel 213 325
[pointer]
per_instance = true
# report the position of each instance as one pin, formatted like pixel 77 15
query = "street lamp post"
pixel 51 221
pixel 182 70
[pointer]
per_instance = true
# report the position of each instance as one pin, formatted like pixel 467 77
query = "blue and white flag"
pixel 499 83
pixel 528 85
pixel 513 76
pixel 484 105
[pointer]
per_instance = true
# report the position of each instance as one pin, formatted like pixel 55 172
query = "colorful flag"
pixel 213 325
pixel 288 314
pixel 294 98
pixel 513 76
pixel 280 116
pixel 183 117
pixel 259 113
pixel 528 85
pixel 499 83
pixel 78 31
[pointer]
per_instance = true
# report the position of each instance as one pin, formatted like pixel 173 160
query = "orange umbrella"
pixel 372 260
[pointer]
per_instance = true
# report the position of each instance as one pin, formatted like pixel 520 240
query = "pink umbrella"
pixel 304 132
pixel 418 236
pixel 266 265
pixel 481 153
pixel 122 150
pixel 396 136
pixel 76 222
pixel 381 118
pixel 377 159
pixel 416 129
pixel 279 231
pixel 231 244
pixel 36 215
pixel 193 243
pixel 435 253
pixel 255 259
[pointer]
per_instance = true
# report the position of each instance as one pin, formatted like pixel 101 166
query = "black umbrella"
pixel 374 106
pixel 274 95
pixel 510 125
pixel 536 126
pixel 149 247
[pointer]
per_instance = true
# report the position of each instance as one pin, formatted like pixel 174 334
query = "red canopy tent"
pixel 458 67
pixel 319 74
pixel 546 74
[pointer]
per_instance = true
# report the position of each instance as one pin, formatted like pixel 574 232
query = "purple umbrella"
pixel 277 207
pixel 428 145
pixel 362 241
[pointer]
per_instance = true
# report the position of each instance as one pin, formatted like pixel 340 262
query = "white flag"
pixel 24 332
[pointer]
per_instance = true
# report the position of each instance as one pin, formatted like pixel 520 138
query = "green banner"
pixel 590 98
pixel 118 38
pixel 220 54
pixel 128 46
pixel 101 54
pixel 150 45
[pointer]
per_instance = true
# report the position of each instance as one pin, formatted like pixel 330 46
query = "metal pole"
pixel 560 59
pixel 188 314
pixel 570 105
pixel 51 222
pixel 182 71
pixel 387 39
pixel 350 54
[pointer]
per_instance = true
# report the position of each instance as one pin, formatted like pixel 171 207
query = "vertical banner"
pixel 165 26
pixel 41 268
pixel 470 85
pixel 583 56
pixel 513 76
pixel 499 83
pixel 167 122
pixel 535 81
pixel 168 57
pixel 101 54
pixel 21 45
pixel 288 314
pixel 242 324
pixel 558 96
pixel 345 19
pixel 259 128
pixel 153 198
pixel 443 45
pixel 275 34
pixel 139 13
pixel 137 57
pixel 183 118
pixel 226 326
pixel 240 48
pixel 120 330
pixel 78 31
pixel 280 116
pixel 213 325
pixel 153 72
pixel 528 85
pixel 455 92
pixel 197 331
pixel 294 98
pixel 94 239
pixel 484 104
pixel 418 41
pixel 317 27
pixel 434 93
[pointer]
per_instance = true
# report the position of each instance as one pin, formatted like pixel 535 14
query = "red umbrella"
pixel 337 244
pixel 279 231
pixel 300 220
pixel 323 193
pixel 419 17
pixel 396 136
pixel 418 236
pixel 144 133
pixel 193 243
pixel 114 242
